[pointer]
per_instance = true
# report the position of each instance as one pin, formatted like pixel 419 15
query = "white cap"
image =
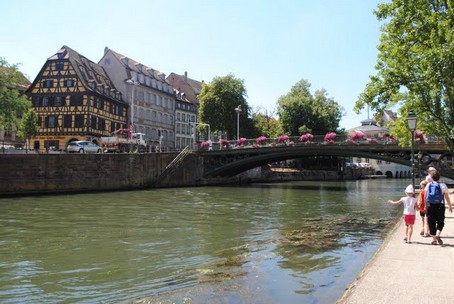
pixel 409 189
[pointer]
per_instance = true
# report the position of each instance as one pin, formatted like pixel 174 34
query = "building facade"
pixel 151 98
pixel 371 129
pixel 185 121
pixel 186 108
pixel 75 100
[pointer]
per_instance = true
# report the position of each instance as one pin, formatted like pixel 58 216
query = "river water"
pixel 295 242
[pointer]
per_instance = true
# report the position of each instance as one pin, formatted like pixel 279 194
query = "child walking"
pixel 421 206
pixel 409 203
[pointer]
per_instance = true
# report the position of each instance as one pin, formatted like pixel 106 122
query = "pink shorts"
pixel 409 219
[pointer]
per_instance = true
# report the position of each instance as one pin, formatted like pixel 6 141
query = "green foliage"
pixel 266 125
pixel 299 110
pixel 29 125
pixel 12 104
pixel 218 100
pixel 415 66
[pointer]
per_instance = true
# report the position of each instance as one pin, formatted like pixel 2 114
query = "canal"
pixel 295 242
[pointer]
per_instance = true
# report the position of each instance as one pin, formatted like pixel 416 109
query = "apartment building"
pixel 150 97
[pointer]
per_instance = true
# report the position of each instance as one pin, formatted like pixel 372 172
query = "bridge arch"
pixel 228 163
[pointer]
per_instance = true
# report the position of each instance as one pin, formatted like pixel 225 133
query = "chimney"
pixel 185 76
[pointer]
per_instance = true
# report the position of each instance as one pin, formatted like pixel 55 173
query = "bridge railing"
pixel 295 141
pixel 291 141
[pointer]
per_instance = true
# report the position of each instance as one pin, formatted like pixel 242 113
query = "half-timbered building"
pixel 75 100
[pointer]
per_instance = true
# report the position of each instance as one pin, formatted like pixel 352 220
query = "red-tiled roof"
pixel 190 87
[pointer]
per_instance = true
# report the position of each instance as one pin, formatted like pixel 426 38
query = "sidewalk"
pixel 408 273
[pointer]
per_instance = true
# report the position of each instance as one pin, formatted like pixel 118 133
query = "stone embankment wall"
pixel 46 173
pixel 22 174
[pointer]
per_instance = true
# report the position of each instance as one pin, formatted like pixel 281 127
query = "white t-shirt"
pixel 409 204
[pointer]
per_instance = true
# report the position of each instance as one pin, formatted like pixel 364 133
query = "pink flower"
pixel 306 137
pixel 282 138
pixel 419 136
pixel 224 142
pixel 204 144
pixel 261 140
pixel 357 135
pixel 240 141
pixel 330 137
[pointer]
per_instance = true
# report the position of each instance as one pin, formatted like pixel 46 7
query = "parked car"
pixel 82 146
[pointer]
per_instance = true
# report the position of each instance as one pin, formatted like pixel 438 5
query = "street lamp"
pixel 419 157
pixel 411 122
pixel 238 110
pixel 133 83
pixel 160 139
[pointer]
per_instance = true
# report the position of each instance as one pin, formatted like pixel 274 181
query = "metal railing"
pixel 316 140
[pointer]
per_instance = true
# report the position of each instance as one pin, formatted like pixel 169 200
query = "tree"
pixel 300 112
pixel 12 104
pixel 415 66
pixel 266 124
pixel 29 125
pixel 218 100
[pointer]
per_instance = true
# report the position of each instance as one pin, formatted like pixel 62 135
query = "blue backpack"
pixel 434 194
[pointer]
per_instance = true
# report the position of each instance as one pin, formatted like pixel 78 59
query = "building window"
pixel 67 121
pixel 59 101
pixel 45 101
pixel 35 101
pixel 51 144
pixel 76 100
pixel 51 122
pixel 59 66
pixel 94 122
pixel 69 83
pixel 48 83
pixel 79 121
pixel 101 124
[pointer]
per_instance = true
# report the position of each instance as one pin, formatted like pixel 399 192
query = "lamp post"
pixel 411 122
pixel 419 156
pixel 160 139
pixel 238 110
pixel 133 83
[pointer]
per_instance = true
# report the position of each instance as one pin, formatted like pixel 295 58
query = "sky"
pixel 269 44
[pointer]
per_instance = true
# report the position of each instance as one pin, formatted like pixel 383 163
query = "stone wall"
pixel 22 174
pixel 49 173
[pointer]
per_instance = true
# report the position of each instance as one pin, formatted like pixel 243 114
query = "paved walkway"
pixel 408 273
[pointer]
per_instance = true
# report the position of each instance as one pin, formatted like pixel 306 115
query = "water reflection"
pixel 268 243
